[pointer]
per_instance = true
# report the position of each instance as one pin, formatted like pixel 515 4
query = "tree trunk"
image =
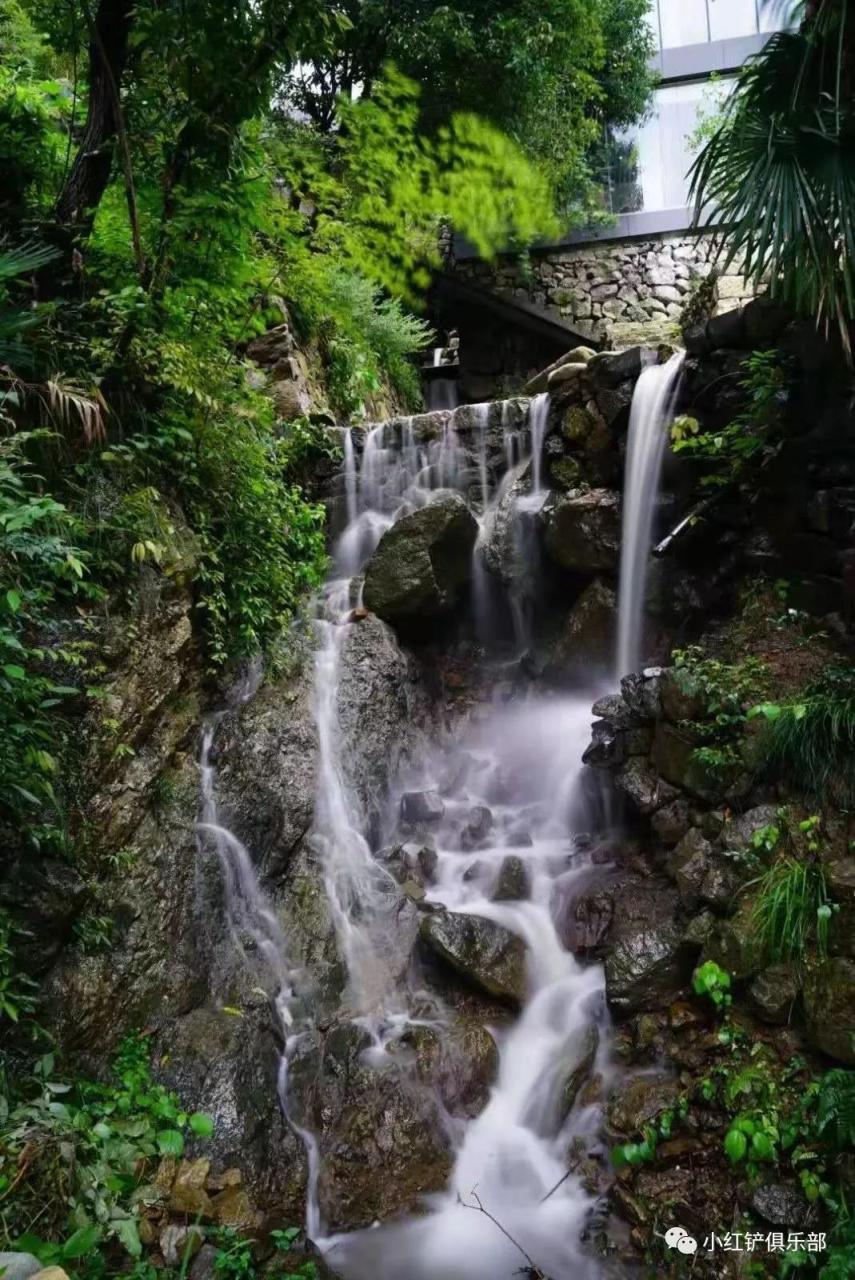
pixel 90 172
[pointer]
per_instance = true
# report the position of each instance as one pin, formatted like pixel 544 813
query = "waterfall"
pixel 537 417
pixel 521 764
pixel 513 768
pixel 351 478
pixel 481 415
pixel 250 916
pixel 650 419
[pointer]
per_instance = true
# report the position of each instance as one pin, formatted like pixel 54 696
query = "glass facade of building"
pixel 700 44
pixel 677 23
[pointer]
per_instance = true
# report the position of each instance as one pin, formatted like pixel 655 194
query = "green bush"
pixel 810 744
pixel 792 909
pixel 74 1155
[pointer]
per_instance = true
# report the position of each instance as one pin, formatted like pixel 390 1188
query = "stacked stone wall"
pixel 614 291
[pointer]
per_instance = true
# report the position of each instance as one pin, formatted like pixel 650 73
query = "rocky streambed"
pixel 492 988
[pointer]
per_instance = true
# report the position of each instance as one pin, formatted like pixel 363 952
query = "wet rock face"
pixel 773 994
pixel 582 530
pixel 586 639
pixel 423 562
pixel 174 965
pixel 632 1108
pixel 484 953
pixel 380 1134
pixel 647 963
pixel 829 1003
pixel 782 1206
pixel 509 529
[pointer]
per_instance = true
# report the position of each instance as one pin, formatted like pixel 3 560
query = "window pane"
pixel 663 148
pixel 732 18
pixel 683 22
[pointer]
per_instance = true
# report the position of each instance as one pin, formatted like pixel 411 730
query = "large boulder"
pixel 423 562
pixel 829 1001
pixel 647 964
pixel 583 530
pixel 380 1136
pixel 586 637
pixel 486 954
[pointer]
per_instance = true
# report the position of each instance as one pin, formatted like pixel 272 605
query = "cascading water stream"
pixel 538 415
pixel 650 418
pixel 520 763
pixel 256 932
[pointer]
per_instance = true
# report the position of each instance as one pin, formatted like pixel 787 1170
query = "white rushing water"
pixel 510 779
pixel 538 416
pixel 650 419
pixel 519 764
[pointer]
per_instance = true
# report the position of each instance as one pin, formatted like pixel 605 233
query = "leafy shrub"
pixel 723 692
pixel 73 1153
pixel 792 909
pixel 714 982
pixel 40 565
pixel 17 990
pixel 372 337
pixel 811 743
pixel 734 453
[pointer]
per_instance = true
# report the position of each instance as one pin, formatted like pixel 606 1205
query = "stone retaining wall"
pixel 615 291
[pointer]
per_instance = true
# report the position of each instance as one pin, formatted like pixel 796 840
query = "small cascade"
pixel 351 477
pixel 257 936
pixel 650 419
pixel 537 416
pixel 510 440
pixel 481 416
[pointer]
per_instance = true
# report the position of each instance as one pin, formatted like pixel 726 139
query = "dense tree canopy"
pixel 548 72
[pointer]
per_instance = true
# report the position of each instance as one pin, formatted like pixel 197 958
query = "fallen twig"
pixel 534 1270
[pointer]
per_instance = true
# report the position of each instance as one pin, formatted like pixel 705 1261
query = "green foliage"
pixel 40 566
pixel 399 184
pixel 712 981
pixel 810 743
pixel 34 111
pixel 734 453
pixel 659 1130
pixel 17 990
pixel 234 1258
pixel 73 1154
pixel 835 1109
pixel 368 336
pixel 262 545
pixel 549 73
pixel 792 909
pixel 723 692
pixel 778 173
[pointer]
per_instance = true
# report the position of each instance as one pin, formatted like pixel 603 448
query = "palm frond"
pixel 22 259
pixel 72 405
pixel 777 178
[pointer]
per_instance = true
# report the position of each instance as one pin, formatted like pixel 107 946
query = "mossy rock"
pixel 577 425
pixel 566 474
pixel 735 946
